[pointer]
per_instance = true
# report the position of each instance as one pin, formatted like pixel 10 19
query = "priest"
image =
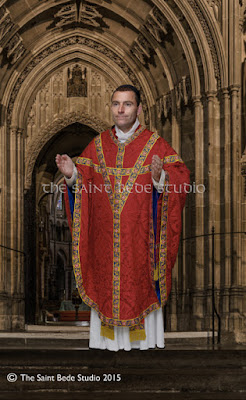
pixel 124 201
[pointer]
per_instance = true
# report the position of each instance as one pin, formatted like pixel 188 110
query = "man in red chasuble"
pixel 124 202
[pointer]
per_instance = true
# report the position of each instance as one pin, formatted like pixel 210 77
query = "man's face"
pixel 124 110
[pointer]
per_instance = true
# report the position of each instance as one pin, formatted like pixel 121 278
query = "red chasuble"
pixel 116 258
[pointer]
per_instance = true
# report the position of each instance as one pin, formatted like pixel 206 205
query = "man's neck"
pixel 129 131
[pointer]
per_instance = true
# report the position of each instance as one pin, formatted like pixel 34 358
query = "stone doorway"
pixel 49 278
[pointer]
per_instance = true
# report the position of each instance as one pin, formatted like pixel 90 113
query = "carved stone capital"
pixel 197 100
pixel 234 89
pixel 16 131
pixel 13 130
pixel 211 95
pixel 225 92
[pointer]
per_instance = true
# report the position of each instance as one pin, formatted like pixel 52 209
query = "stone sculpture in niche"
pixel 77 83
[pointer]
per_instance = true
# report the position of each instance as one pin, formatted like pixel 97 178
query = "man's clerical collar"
pixel 123 136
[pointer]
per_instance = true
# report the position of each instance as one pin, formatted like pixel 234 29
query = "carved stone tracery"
pixel 66 15
pixel 51 101
pixel 183 94
pixel 155 24
pixel 153 29
pixel 114 57
pixel 6 24
pixel 158 18
pixel 83 13
pixel 142 49
pixel 14 46
pixel 15 49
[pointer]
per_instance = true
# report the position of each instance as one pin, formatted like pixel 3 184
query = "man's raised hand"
pixel 156 168
pixel 65 165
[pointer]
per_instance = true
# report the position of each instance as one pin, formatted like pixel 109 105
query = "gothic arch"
pixel 50 130
pixel 54 61
pixel 71 47
pixel 104 45
pixel 205 23
pixel 206 35
pixel 214 32
pixel 62 254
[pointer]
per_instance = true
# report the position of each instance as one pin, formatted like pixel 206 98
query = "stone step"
pixel 71 328
pixel 172 373
pixel 59 327
pixel 158 358
pixel 62 336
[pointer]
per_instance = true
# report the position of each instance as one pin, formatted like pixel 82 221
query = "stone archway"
pixel 44 222
pixel 50 130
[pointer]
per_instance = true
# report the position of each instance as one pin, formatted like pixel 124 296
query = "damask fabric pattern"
pixel 113 240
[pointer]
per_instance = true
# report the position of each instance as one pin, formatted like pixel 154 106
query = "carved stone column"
pixel 2 213
pixel 227 222
pixel 214 190
pixel 176 125
pixel 236 140
pixel 236 267
pixel 20 243
pixel 199 180
pixel 5 322
pixel 16 276
pixel 176 301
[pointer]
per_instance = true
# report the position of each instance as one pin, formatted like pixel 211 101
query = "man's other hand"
pixel 65 165
pixel 156 168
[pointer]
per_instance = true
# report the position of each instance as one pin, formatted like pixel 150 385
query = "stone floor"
pixel 50 365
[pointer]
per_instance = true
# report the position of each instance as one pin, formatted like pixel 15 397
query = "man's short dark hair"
pixel 129 88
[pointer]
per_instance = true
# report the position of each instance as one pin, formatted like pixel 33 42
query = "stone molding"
pixel 50 130
pixel 215 7
pixel 194 5
pixel 69 42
